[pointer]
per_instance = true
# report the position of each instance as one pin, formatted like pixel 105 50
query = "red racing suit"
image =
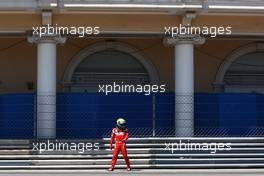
pixel 119 136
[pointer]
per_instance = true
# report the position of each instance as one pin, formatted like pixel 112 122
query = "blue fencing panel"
pixel 206 115
pixel 259 130
pixel 92 115
pixel 82 115
pixel 16 116
pixel 237 113
pixel 165 111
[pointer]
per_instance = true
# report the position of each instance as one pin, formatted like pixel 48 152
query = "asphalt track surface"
pixel 177 172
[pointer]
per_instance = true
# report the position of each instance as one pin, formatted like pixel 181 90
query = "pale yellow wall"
pixel 16 22
pixel 131 22
pixel 18 63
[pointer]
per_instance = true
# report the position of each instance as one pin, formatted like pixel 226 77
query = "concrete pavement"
pixel 138 172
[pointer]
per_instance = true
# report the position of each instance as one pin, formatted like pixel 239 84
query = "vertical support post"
pixel 46 89
pixel 46 84
pixel 184 89
pixel 184 82
pixel 153 115
pixel 35 116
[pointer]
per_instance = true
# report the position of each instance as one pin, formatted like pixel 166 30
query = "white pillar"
pixel 46 84
pixel 184 83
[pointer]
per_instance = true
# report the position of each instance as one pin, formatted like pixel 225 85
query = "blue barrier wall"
pixel 83 115
pixel 164 114
pixel 237 113
pixel 16 116
pixel 93 115
pixel 206 117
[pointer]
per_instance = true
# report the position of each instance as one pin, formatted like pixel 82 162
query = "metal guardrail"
pixel 144 153
pixel 199 5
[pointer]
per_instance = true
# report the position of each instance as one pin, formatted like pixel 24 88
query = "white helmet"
pixel 121 123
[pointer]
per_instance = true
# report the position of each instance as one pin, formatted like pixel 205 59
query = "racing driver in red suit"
pixel 119 135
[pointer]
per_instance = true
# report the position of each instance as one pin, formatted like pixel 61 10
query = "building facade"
pixel 131 42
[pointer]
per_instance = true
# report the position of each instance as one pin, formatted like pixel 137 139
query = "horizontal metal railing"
pixel 157 5
pixel 144 153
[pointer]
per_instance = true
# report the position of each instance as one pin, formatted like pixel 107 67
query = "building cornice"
pixel 132 6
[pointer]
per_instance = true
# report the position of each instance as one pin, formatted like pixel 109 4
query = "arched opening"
pixel 240 76
pixel 246 75
pixel 242 71
pixel 106 63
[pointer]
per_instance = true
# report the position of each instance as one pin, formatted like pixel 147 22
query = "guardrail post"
pixel 153 115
